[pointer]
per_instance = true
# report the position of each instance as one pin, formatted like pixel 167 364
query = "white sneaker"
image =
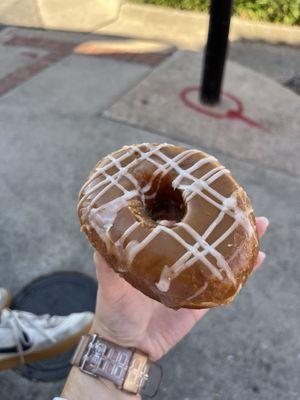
pixel 26 337
pixel 5 298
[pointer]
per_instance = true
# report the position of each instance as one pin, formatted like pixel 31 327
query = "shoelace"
pixel 18 328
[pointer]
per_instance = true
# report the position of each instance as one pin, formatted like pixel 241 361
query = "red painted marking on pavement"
pixel 41 43
pixel 151 59
pixel 235 113
pixel 30 54
pixel 56 51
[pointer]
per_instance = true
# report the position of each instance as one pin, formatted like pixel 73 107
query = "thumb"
pixel 111 285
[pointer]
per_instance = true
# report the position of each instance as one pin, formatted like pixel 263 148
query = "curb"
pixel 185 29
pixel 188 29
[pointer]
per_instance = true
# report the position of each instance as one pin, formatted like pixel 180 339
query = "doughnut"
pixel 171 221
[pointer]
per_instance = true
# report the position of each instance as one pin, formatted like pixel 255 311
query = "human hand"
pixel 126 316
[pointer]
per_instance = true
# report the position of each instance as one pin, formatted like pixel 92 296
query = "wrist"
pixel 99 327
pixel 81 386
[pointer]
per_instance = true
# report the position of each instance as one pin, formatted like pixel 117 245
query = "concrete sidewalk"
pixel 66 101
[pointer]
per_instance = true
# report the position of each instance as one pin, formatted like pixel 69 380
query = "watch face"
pixel 107 360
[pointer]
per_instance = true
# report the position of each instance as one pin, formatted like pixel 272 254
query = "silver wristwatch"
pixel 128 368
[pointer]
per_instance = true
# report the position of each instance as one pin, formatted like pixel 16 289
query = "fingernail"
pixel 265 219
pixel 262 255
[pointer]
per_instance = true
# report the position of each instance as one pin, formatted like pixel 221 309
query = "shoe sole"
pixel 49 352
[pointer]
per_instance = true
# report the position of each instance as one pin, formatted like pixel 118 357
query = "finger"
pixel 101 264
pixel 112 285
pixel 262 224
pixel 260 259
pixel 199 314
pixel 107 277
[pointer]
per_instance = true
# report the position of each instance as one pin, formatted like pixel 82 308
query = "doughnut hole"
pixel 167 206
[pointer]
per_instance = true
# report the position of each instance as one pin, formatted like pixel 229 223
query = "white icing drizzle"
pixel 127 233
pixel 221 262
pixel 103 217
pixel 134 249
pixel 166 222
pixel 186 173
pixel 198 292
pixel 164 169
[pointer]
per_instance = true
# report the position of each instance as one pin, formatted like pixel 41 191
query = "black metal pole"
pixel 216 49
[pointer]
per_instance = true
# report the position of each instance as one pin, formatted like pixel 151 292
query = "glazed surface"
pixel 173 222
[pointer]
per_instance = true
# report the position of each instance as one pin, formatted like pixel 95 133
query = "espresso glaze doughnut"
pixel 173 222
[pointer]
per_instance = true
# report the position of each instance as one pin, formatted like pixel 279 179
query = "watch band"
pixel 128 368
